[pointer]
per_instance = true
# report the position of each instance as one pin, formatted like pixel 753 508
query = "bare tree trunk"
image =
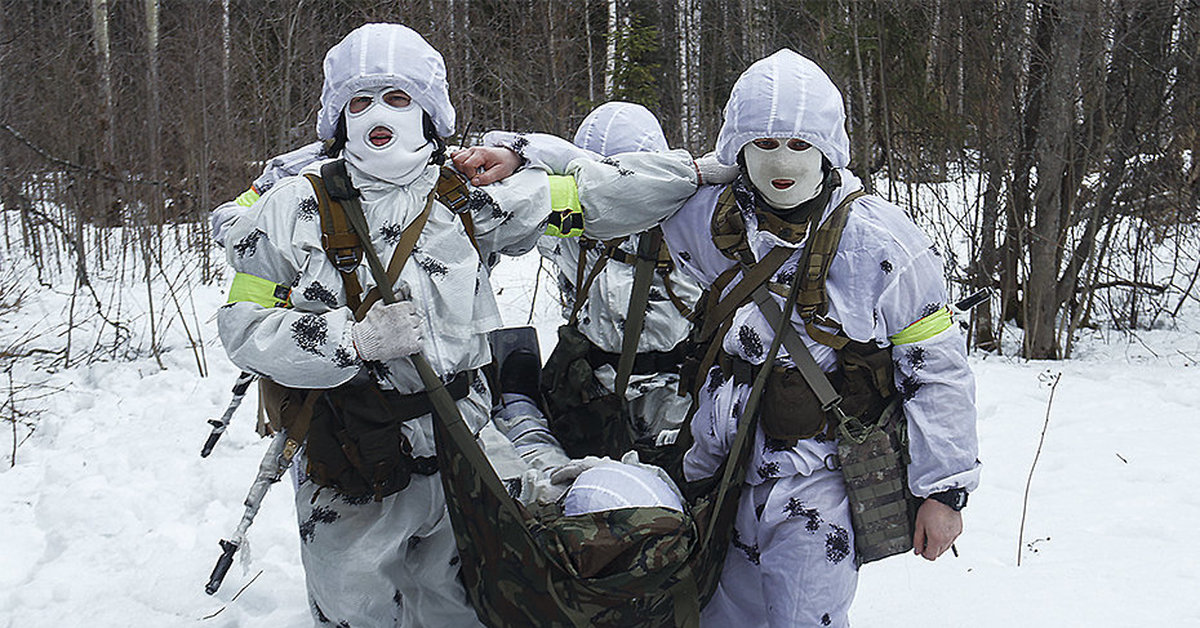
pixel 862 134
pixel 1050 206
pixel 610 55
pixel 688 26
pixel 226 54
pixel 591 59
pixel 154 128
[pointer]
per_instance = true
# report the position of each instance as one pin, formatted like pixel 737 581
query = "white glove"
pixel 223 217
pixel 713 172
pixel 388 331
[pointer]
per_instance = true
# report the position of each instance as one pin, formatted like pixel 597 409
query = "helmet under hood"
pixel 385 55
pixel 620 127
pixel 785 95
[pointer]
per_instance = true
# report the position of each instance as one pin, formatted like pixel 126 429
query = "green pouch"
pixel 874 465
pixel 789 410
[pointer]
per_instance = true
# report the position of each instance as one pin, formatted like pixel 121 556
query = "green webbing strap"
pixel 741 443
pixel 583 285
pixel 444 408
pixel 267 293
pixel 635 314
pixel 752 277
pixel 799 352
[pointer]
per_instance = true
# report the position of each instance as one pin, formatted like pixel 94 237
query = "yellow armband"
pixel 258 290
pixel 566 214
pixel 924 329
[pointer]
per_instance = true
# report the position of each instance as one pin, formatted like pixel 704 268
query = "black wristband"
pixel 955 498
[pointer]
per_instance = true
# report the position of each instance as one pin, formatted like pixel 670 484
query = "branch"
pixel 1123 283
pixel 89 170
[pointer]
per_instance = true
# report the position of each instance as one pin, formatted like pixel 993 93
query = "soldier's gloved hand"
pixel 388 331
pixel 713 172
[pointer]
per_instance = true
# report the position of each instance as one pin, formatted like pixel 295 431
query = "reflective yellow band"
pixel 924 329
pixel 247 198
pixel 258 290
pixel 566 218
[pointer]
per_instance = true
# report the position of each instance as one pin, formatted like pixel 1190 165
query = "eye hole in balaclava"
pixel 333 147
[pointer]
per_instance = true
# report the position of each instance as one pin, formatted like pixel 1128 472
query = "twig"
pixel 1054 379
pixel 235 596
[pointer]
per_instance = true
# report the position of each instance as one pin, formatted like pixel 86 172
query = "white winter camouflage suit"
pixel 791 562
pixel 393 562
pixel 653 402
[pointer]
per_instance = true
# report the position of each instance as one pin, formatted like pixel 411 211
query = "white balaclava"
pixel 785 175
pixel 386 142
pixel 785 96
pixel 620 127
pixel 372 60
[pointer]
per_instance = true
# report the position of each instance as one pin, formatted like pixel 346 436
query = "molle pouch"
pixel 789 410
pixel 278 406
pixel 873 460
pixel 356 445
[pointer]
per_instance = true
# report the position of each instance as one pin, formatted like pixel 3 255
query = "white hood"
pixel 620 127
pixel 375 55
pixel 785 95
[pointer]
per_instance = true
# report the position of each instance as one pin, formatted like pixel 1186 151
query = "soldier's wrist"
pixel 955 498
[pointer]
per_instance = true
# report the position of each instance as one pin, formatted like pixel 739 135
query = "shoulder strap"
pixel 341 244
pixel 334 189
pixel 649 246
pixel 729 230
pixel 452 191
pixel 813 302
pixel 583 285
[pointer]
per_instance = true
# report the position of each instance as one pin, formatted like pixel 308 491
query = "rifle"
pixel 274 464
pixel 220 425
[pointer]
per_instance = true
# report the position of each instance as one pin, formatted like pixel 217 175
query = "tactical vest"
pixel 352 433
pixel 869 424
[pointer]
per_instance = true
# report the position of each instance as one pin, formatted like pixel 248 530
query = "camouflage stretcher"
pixel 625 567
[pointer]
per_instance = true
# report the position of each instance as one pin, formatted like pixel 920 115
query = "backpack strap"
pixel 452 191
pixel 812 302
pixel 341 244
pixel 583 285
pixel 649 246
pixel 333 188
pixel 729 230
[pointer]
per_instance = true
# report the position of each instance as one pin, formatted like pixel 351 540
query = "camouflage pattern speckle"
pixel 751 551
pixel 916 358
pixel 748 338
pixel 248 245
pixel 796 508
pixel 885 266
pixel 320 514
pixel 310 332
pixel 316 292
pixel 391 233
pixel 307 210
pixel 837 544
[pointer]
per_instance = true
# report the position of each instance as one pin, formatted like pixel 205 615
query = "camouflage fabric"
pixel 626 567
pixel 875 471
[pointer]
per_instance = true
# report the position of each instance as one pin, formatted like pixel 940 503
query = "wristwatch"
pixel 955 498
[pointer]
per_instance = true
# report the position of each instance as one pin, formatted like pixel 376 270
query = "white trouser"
pixel 389 563
pixel 791 562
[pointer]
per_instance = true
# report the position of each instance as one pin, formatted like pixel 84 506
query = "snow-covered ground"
pixel 111 518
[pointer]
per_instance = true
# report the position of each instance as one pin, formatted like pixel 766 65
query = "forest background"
pixel 1070 127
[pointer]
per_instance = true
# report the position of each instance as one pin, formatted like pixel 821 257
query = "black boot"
pixel 521 373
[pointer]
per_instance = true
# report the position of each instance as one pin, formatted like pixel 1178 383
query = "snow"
pixel 111 518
